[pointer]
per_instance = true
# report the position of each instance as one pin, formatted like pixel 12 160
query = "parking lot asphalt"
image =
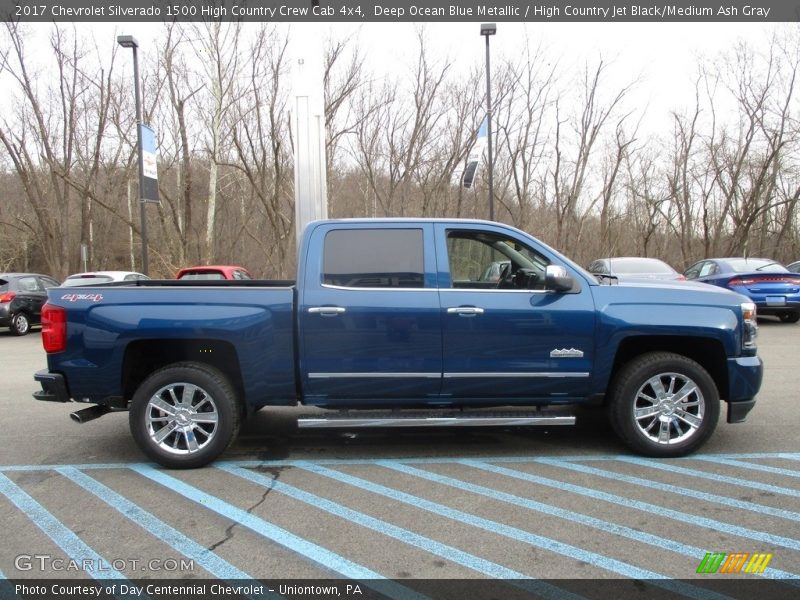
pixel 557 504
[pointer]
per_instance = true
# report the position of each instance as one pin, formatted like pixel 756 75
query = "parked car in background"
pixel 214 272
pixel 634 267
pixel 21 298
pixel 772 287
pixel 794 267
pixel 97 277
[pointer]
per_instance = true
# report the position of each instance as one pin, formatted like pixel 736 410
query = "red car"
pixel 213 272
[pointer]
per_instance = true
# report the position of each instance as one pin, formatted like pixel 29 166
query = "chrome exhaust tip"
pixel 89 414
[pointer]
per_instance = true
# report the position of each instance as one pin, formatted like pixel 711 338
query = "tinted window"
pixel 240 275
pixel 746 265
pixel 200 276
pixel 597 267
pixel 48 283
pixel 693 271
pixel 28 284
pixel 90 280
pixel 708 268
pixel 382 258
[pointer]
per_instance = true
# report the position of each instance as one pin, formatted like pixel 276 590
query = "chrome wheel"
pixel 20 324
pixel 663 404
pixel 669 408
pixel 181 418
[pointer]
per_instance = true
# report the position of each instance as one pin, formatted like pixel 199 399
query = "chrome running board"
pixel 353 419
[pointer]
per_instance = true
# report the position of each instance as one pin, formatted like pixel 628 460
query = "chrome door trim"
pixel 532 375
pixel 425 375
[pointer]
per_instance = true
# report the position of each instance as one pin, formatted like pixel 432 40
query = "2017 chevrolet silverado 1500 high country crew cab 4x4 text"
pixel 394 322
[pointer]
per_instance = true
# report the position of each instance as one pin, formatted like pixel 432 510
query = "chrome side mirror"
pixel 557 278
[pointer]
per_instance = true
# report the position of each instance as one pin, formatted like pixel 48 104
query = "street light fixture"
pixel 488 29
pixel 128 41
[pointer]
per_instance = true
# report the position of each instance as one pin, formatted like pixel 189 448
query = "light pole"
pixel 128 41
pixel 488 29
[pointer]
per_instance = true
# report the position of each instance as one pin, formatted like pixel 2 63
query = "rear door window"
pixel 374 258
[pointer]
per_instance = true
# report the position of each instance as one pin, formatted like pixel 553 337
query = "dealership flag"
pixel 149 174
pixel 475 156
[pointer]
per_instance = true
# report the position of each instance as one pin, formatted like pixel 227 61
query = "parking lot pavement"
pixel 396 511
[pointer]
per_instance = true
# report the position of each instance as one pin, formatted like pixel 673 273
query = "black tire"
pixel 20 324
pixel 791 317
pixel 185 415
pixel 670 391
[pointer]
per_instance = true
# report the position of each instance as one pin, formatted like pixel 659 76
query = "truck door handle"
pixel 465 311
pixel 326 311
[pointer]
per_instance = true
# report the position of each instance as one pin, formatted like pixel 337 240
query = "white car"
pixel 96 277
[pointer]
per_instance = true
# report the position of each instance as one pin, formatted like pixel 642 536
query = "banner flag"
pixel 475 156
pixel 149 175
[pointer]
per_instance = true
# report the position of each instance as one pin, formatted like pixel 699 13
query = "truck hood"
pixel 667 292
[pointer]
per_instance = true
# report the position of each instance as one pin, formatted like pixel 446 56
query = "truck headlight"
pixel 750 329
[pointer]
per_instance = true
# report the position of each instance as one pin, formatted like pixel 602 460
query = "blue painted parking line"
pixel 410 460
pixel 321 556
pixel 216 566
pixel 741 464
pixel 647 507
pixel 62 536
pixel 658 541
pixel 661 466
pixel 465 559
pixel 603 562
pixel 674 489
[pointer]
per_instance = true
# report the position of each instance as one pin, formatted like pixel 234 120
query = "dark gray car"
pixel 22 296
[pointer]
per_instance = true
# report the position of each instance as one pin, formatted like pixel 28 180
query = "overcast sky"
pixel 663 56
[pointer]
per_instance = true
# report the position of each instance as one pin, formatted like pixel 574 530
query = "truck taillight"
pixel 54 328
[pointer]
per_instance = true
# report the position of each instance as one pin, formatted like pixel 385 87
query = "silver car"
pixel 97 277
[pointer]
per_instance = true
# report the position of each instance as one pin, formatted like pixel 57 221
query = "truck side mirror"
pixel 557 279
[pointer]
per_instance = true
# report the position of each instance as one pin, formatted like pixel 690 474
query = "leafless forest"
pixel 572 164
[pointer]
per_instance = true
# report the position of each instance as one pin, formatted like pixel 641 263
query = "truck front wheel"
pixel 184 415
pixel 664 405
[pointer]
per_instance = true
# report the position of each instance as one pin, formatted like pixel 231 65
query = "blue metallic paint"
pixel 404 332
pixel 257 322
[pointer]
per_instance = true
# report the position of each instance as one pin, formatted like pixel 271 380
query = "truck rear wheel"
pixel 664 405
pixel 185 415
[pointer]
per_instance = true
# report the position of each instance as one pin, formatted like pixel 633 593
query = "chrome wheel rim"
pixel 669 408
pixel 21 323
pixel 182 418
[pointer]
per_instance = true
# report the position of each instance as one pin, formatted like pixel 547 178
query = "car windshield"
pixel 747 265
pixel 86 280
pixel 640 266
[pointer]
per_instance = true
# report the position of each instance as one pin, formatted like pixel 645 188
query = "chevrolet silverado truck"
pixel 394 322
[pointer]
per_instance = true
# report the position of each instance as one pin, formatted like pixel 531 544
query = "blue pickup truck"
pixel 397 322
